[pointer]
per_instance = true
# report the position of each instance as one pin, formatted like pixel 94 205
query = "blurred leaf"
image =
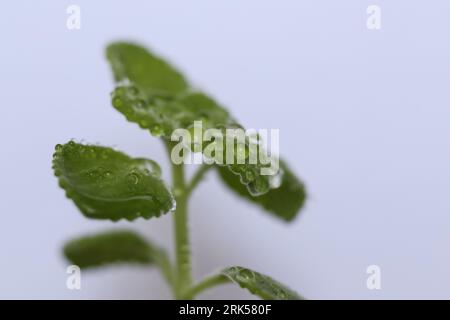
pixel 260 285
pixel 110 247
pixel 284 202
pixel 107 184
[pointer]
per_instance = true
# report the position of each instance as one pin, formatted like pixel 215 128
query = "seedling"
pixel 108 184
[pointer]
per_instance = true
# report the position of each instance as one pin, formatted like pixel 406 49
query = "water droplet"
pixel 156 130
pixel 281 295
pixel 259 186
pixel 92 173
pixel 249 176
pixel 133 178
pixel 234 269
pixel 117 102
pixel 140 104
pixel 92 154
pixel 134 91
pixel 143 123
pixel 119 91
pixel 88 209
pixel 149 166
pixel 246 275
pixel 173 205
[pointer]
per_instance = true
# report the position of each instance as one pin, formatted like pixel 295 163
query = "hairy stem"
pixel 181 279
pixel 182 273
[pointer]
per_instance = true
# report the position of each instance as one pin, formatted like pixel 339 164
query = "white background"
pixel 364 119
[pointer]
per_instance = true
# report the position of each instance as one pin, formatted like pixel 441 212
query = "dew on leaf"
pixel 133 178
pixel 156 130
pixel 140 104
pixel 134 91
pixel 281 295
pixel 245 275
pixel 173 205
pixel 119 91
pixel 117 102
pixel 149 166
pixel 143 123
pixel 249 175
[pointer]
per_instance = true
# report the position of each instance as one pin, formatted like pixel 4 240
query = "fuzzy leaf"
pixel 260 285
pixel 110 247
pixel 284 202
pixel 108 184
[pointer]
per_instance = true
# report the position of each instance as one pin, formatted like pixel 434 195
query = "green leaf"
pixel 148 72
pixel 110 247
pixel 108 184
pixel 142 101
pixel 260 285
pixel 283 202
pixel 163 116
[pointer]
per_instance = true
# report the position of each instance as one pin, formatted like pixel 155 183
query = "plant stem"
pixel 207 283
pixel 197 177
pixel 183 278
pixel 165 267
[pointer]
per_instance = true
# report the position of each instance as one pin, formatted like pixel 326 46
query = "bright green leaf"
pixel 260 285
pixel 110 247
pixel 151 74
pixel 107 184
pixel 284 202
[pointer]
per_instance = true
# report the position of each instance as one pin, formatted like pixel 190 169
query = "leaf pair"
pixel 106 184
pixel 123 246
pixel 157 97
